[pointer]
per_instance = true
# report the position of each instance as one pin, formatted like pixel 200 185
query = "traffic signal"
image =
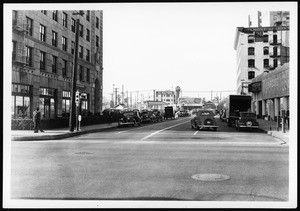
pixel 77 98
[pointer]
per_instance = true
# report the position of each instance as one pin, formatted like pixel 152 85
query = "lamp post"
pixel 72 120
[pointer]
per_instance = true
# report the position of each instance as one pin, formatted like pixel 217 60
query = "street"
pixel 156 161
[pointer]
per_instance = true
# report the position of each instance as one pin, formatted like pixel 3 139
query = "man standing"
pixel 37 120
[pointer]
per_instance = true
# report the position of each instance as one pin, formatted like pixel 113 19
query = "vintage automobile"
pixel 130 118
pixel 183 113
pixel 147 116
pixel 246 120
pixel 169 113
pixel 204 119
pixel 158 116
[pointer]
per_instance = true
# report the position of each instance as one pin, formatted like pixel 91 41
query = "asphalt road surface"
pixel 158 161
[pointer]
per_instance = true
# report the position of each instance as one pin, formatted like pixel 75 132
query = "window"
pixel 29 56
pixel 88 15
pixel 65 19
pixel 42 33
pixel 266 50
pixel 87 35
pixel 47 103
pixel 97 22
pixel 80 51
pixel 87 74
pixel 64 68
pixel 73 25
pixel 250 39
pixel 20 107
pixel 42 60
pixel 14 17
pixel 251 51
pixel 64 43
pixel 275 51
pixel 29 22
pixel 14 48
pixel 72 47
pixel 54 15
pixel 274 38
pixel 80 73
pixel 54 38
pixel 251 63
pixel 266 38
pixel 275 63
pixel 84 104
pixel 251 75
pixel 54 64
pixel 266 62
pixel 44 12
pixel 66 99
pixel 97 41
pixel 80 30
pixel 87 57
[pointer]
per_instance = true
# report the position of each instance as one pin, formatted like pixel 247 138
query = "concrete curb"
pixel 58 136
pixel 278 137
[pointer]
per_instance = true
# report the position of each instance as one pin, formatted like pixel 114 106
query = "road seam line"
pixel 152 134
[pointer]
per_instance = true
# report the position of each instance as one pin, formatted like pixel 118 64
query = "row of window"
pixel 29 55
pixel 264 38
pixel 65 18
pixel 20 107
pixel 251 63
pixel 251 51
pixel 43 30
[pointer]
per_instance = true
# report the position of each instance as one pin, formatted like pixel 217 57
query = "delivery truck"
pixel 236 104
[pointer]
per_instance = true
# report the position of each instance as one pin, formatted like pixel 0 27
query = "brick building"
pixel 42 62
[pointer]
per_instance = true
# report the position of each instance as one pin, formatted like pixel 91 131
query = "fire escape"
pixel 20 29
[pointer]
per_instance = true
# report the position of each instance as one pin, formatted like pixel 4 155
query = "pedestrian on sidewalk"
pixel 37 120
pixel 109 117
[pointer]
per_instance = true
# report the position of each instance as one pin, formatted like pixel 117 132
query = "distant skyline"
pixel 158 46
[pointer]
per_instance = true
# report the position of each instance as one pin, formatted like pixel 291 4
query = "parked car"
pixel 183 113
pixel 130 118
pixel 246 120
pixel 147 116
pixel 158 116
pixel 204 119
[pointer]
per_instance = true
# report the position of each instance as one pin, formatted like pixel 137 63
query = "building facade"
pixel 270 93
pixel 42 62
pixel 258 50
pixel 165 96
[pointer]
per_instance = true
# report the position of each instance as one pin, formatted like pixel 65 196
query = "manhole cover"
pixel 210 177
pixel 83 153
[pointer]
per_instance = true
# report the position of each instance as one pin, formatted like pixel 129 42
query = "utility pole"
pixel 116 95
pixel 73 120
pixel 122 93
pixel 113 102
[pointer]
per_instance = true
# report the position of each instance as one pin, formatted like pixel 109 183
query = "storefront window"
pixel 84 104
pixel 47 103
pixel 20 107
pixel 66 103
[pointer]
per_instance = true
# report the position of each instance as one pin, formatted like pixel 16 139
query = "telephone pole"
pixel 72 119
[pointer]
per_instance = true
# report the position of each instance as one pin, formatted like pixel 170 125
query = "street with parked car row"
pixel 166 160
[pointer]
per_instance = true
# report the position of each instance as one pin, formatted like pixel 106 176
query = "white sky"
pixel 161 46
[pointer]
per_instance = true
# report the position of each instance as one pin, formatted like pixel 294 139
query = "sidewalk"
pixel 270 127
pixel 29 135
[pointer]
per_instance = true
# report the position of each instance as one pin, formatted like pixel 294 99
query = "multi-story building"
pixel 263 65
pixel 165 96
pixel 43 57
pixel 259 49
pixel 279 18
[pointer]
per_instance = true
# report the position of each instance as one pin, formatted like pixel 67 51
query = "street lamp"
pixel 73 120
